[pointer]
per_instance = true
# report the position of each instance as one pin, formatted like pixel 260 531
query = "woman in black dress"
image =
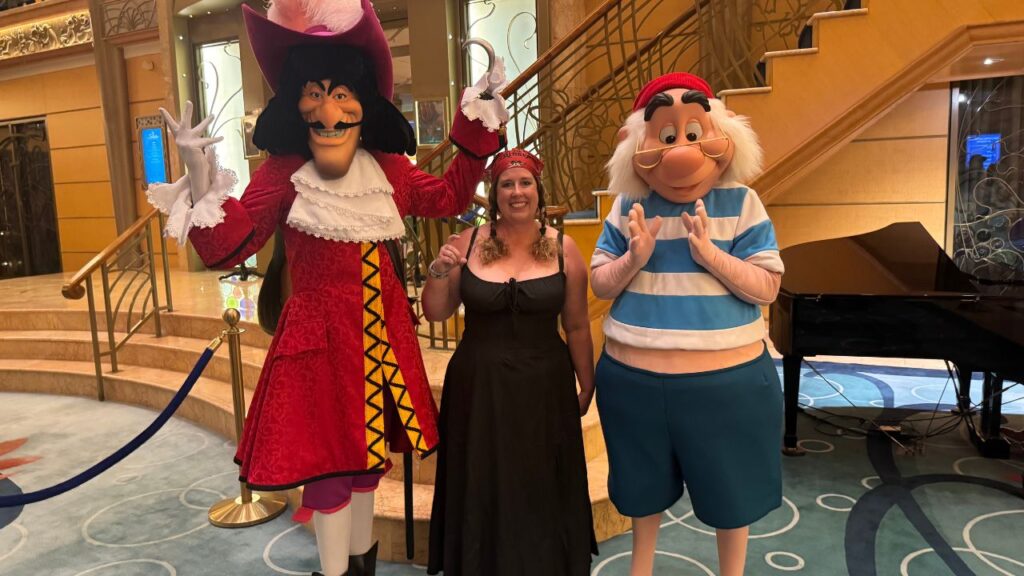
pixel 510 496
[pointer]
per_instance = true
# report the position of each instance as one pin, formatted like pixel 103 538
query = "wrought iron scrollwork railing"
pixel 129 290
pixel 567 106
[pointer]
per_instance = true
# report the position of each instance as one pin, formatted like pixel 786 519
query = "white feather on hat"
pixel 301 15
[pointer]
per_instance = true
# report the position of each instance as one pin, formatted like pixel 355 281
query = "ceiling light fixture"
pixel 991 61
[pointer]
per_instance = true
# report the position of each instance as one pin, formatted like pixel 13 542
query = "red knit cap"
pixel 515 158
pixel 668 82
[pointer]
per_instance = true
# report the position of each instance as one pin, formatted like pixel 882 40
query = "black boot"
pixel 347 573
pixel 364 564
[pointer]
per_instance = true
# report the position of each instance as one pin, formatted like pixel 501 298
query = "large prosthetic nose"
pixel 685 163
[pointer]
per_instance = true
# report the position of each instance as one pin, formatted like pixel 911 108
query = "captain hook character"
pixel 343 379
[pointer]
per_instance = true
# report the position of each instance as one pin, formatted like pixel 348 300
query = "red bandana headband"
pixel 515 158
pixel 668 82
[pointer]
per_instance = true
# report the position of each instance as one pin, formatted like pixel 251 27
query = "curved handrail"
pixel 73 289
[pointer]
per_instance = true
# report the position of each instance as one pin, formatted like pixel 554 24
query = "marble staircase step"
pixel 173 353
pixel 172 323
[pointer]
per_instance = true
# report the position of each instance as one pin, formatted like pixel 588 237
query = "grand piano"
pixel 895 293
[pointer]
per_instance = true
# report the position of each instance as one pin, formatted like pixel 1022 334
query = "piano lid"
pixel 900 259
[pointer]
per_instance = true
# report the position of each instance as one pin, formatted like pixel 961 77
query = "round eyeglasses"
pixel 710 147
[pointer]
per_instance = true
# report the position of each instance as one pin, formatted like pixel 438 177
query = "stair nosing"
pixel 745 91
pixel 791 52
pixel 832 14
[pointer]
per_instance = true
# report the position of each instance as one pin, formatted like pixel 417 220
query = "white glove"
pixel 197 198
pixel 476 105
pixel 191 143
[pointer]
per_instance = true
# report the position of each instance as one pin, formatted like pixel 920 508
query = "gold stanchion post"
pixel 250 508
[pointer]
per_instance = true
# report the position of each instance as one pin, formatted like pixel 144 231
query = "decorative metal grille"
pixel 123 16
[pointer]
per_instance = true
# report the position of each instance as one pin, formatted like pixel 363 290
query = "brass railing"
pixel 567 106
pixel 128 282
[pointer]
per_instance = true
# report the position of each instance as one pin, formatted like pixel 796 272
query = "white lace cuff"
pixel 175 200
pixel 492 112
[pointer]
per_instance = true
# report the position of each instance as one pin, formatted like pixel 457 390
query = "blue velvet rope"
pixel 102 466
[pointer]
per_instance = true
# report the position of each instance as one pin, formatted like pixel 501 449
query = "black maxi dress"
pixel 510 495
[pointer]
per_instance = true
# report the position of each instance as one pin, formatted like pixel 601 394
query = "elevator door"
pixel 29 242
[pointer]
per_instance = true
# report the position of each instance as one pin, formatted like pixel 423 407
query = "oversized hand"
pixel 642 236
pixel 698 229
pixel 190 139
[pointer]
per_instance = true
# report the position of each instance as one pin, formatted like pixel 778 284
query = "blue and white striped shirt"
pixel 673 302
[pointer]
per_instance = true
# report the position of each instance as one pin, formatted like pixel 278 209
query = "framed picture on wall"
pixel 431 121
pixel 248 127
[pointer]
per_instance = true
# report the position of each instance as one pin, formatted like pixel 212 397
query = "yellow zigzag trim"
pixel 372 373
pixel 381 366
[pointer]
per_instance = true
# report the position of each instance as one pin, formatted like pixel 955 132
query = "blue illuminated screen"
pixel 985 145
pixel 153 155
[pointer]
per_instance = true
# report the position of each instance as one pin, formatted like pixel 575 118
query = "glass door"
pixel 220 94
pixel 29 241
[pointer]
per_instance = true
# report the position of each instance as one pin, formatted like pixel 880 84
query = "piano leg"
pixel 791 393
pixel 963 400
pixel 988 438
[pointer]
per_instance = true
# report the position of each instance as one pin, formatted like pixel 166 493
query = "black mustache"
pixel 338 126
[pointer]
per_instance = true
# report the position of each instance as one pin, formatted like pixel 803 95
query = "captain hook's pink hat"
pixel 329 22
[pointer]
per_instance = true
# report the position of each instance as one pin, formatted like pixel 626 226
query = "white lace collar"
pixel 355 208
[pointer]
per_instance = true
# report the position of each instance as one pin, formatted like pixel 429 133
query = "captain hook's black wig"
pixel 280 129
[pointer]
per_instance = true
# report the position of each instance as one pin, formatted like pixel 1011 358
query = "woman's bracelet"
pixel 430 270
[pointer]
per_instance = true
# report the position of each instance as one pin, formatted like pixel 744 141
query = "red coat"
pixel 308 418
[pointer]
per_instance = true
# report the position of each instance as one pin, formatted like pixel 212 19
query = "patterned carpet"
pixel 855 504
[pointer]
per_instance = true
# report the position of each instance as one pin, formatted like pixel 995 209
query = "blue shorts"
pixel 717 432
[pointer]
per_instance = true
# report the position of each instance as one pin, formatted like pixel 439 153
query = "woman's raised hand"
pixel 448 257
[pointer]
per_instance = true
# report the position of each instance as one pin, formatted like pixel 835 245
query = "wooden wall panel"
pixel 895 171
pixel 74 89
pixel 800 224
pixel 86 234
pixel 876 172
pixel 73 261
pixel 19 98
pixel 85 164
pixel 925 113
pixel 75 129
pixel 145 84
pixel 84 200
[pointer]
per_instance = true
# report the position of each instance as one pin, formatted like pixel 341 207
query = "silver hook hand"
pixel 490 56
